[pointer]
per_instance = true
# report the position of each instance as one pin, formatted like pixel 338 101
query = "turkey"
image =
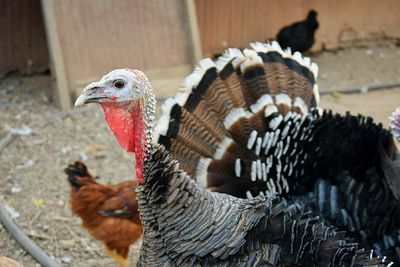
pixel 247 125
pixel 187 225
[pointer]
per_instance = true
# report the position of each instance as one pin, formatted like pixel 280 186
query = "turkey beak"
pixel 90 95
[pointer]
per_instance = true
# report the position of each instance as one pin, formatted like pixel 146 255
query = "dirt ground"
pixel 34 188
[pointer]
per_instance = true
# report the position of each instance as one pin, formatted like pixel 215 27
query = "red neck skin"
pixel 127 123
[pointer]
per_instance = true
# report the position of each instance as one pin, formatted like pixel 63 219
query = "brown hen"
pixel 108 212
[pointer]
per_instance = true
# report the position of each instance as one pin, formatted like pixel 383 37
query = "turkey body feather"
pixel 186 225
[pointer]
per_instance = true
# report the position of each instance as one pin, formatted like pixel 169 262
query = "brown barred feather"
pixel 234 150
pixel 271 70
pixel 258 120
pixel 301 88
pixel 253 82
pixel 210 120
pixel 231 104
pixel 233 87
pixel 240 130
pixel 186 156
pixel 281 74
pixel 216 93
pixel 196 134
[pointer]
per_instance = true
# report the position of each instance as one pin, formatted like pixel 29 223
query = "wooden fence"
pixel 86 39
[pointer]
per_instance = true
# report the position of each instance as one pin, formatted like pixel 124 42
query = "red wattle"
pixel 122 123
pixel 126 122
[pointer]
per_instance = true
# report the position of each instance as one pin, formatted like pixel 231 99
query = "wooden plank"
pixel 56 54
pixel 194 30
pixel 101 35
pixel 23 46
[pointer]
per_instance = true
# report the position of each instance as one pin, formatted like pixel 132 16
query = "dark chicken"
pixel 299 36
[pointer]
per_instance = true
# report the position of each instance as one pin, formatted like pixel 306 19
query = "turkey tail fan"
pixel 225 126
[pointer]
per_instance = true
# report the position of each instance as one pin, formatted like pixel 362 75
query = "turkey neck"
pixel 132 123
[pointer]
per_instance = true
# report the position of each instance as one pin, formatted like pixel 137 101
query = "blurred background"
pixel 80 40
pixel 50 49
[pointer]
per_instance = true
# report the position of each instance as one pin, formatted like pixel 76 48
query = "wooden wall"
pixel 88 38
pixel 97 36
pixel 234 23
pixel 23 44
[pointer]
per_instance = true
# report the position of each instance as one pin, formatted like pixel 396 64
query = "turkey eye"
pixel 119 84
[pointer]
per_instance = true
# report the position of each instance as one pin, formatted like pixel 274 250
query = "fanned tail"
pixel 225 128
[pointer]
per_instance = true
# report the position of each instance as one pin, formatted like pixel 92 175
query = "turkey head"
pixel 128 104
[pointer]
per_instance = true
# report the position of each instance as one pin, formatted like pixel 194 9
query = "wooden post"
pixel 56 56
pixel 194 30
